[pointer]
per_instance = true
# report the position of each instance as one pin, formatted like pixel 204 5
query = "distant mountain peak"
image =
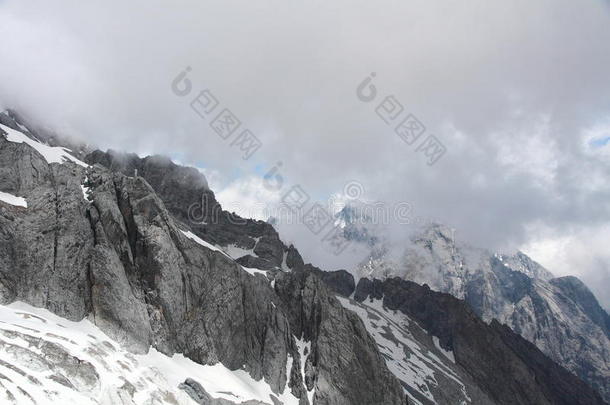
pixel 512 288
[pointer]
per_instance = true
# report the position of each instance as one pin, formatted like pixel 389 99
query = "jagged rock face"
pixel 186 195
pixel 427 371
pixel 271 253
pixel 339 281
pixel 524 264
pixel 356 224
pixel 560 316
pixel 120 258
pixel 123 261
pixel 341 351
pixel 576 291
pixel 45 247
pixel 498 360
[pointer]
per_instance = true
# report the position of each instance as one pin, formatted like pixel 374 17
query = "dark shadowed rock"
pixel 344 365
pixel 339 281
pixel 559 317
pixel 200 395
pixel 256 262
pixel 506 366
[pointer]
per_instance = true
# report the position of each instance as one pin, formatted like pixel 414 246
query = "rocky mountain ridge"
pixel 100 245
pixel 155 263
pixel 559 315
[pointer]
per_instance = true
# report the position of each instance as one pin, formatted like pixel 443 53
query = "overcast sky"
pixel 518 92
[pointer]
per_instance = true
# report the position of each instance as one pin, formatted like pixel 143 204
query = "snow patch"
pixel 407 358
pixel 304 349
pixel 203 243
pixel 254 271
pixel 220 382
pixel 13 200
pixel 86 190
pixel 50 153
pixel 208 245
pixel 446 353
pixel 22 127
pixel 84 341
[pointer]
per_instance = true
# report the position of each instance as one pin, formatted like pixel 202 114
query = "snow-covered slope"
pixel 47 358
pixel 427 372
pixel 13 200
pixel 52 154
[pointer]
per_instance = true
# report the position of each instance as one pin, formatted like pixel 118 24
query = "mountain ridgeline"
pixel 559 315
pixel 93 242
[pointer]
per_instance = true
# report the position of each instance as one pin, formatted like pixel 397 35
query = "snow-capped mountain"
pixel 559 315
pixel 122 281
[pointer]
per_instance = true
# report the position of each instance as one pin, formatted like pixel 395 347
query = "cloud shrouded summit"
pixel 517 92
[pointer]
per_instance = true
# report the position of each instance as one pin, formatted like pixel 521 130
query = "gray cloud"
pixel 514 90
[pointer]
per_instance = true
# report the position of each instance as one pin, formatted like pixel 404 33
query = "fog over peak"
pixel 517 92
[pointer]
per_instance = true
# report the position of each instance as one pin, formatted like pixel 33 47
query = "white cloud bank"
pixel 516 91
